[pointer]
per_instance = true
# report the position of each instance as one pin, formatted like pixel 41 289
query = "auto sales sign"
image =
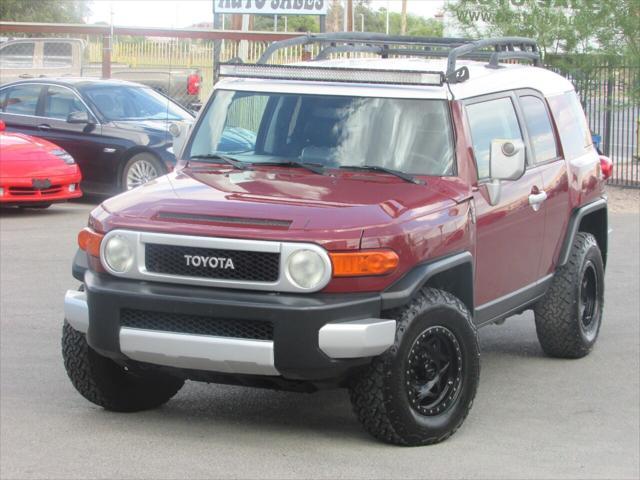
pixel 272 7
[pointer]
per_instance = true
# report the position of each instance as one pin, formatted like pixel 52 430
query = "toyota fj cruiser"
pixel 382 210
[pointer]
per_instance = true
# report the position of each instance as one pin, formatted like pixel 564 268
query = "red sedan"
pixel 34 172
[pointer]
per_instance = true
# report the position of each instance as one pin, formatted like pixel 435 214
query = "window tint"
pixel 491 120
pixel 22 100
pixel 539 128
pixel 60 102
pixel 18 55
pixel 572 124
pixel 57 55
pixel 412 136
pixel 117 103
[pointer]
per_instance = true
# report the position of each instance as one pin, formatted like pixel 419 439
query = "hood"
pixel 278 202
pixel 26 156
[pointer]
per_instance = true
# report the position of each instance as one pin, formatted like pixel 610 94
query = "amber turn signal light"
pixel 363 263
pixel 89 241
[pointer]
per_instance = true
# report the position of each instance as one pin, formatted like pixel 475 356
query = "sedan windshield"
pixel 126 102
pixel 406 135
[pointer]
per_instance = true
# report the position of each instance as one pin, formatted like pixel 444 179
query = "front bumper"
pixel 316 337
pixel 21 191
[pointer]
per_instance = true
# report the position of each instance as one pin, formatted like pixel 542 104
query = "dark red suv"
pixel 382 210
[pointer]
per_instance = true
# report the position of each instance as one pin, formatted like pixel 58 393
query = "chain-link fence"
pixel 178 63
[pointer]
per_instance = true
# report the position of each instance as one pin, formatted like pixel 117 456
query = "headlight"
pixel 64 156
pixel 118 254
pixel 306 268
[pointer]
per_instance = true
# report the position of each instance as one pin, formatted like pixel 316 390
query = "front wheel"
pixel 140 169
pixel 109 385
pixel 420 390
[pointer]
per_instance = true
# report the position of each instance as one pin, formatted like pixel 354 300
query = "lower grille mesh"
pixel 195 324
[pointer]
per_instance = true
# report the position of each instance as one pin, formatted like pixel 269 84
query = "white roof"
pixel 482 80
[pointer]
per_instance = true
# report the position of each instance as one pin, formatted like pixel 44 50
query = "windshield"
pixel 412 136
pixel 126 102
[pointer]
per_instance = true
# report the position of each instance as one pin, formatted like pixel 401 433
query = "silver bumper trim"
pixel 76 311
pixel 360 338
pixel 199 352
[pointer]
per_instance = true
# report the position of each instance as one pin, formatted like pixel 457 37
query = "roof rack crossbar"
pixel 509 55
pixel 358 37
pixel 491 49
pixel 502 44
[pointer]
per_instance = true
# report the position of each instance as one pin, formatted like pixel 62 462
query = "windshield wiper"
pixel 225 159
pixel 397 173
pixel 312 167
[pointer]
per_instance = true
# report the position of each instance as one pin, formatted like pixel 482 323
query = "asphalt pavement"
pixel 534 417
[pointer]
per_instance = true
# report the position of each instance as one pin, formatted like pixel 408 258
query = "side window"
pixel 539 127
pixel 22 99
pixel 57 55
pixel 60 102
pixel 572 124
pixel 490 120
pixel 18 55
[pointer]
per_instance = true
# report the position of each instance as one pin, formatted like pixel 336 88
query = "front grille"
pixel 197 325
pixel 35 192
pixel 250 266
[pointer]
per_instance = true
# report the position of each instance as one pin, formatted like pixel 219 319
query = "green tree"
pixel 47 11
pixel 603 27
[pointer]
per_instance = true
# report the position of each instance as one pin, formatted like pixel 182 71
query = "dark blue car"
pixel 121 134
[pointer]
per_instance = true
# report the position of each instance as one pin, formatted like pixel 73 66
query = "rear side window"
pixel 59 102
pixel 539 128
pixel 491 120
pixel 572 124
pixel 57 55
pixel 18 55
pixel 22 100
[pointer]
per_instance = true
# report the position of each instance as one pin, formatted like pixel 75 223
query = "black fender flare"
pixel 574 224
pixel 403 290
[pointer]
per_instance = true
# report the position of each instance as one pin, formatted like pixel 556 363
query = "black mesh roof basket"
pixel 492 50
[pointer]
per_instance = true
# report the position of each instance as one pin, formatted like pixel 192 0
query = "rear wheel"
pixel 140 169
pixel 569 316
pixel 108 384
pixel 420 391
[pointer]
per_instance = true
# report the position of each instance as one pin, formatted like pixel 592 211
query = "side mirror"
pixel 78 117
pixel 506 162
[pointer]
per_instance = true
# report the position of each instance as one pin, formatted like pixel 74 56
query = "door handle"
pixel 536 199
pixel 44 126
pixel 25 75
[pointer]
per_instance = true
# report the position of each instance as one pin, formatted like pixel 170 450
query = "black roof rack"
pixel 491 49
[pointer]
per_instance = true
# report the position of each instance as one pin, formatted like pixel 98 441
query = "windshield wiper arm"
pixel 390 171
pixel 225 159
pixel 312 167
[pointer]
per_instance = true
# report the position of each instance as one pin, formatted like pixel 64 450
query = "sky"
pixel 182 13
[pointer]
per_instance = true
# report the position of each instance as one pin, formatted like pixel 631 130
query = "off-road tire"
pixel 107 384
pixel 559 324
pixel 380 395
